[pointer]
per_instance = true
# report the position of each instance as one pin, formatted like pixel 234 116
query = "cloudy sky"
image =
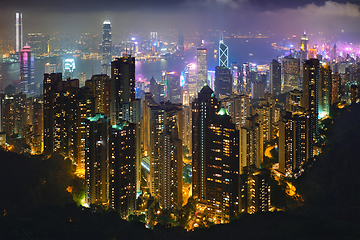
pixel 286 16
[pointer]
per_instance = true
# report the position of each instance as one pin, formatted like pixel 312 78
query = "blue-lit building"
pixel 223 54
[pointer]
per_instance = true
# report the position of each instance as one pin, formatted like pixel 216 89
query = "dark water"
pixel 239 50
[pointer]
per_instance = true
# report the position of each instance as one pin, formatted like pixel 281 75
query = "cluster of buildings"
pixel 118 141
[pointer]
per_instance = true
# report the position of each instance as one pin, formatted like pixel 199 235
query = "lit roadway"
pixel 267 151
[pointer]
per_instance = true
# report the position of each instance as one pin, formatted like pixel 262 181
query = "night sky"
pixel 285 16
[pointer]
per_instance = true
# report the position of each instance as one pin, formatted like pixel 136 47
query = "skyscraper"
pixel 311 93
pixel 180 45
pixel 223 82
pixel 122 88
pixel 106 48
pixel 223 54
pixel 290 74
pixel 201 72
pixel 97 160
pixel 304 48
pixel 275 78
pixel 215 158
pixel 238 107
pixel 27 71
pixel 191 80
pixel 173 91
pixel 18 32
pixel 122 160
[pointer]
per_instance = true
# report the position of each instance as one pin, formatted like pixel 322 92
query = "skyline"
pixel 185 16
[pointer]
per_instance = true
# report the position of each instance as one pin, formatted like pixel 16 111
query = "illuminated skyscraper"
pixel 238 107
pixel 18 33
pixel 172 84
pixel 290 74
pixel 304 48
pixel 223 82
pixel 201 70
pixel 275 78
pixel 325 91
pixel 122 88
pixel 295 142
pixel 97 160
pixel 311 93
pixel 294 101
pixel 223 54
pixel 122 160
pixel 215 152
pixel 180 45
pixel 27 71
pixel 106 48
pixel 166 156
pixel 69 67
pixel 190 80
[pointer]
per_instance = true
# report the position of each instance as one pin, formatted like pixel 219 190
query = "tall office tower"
pixel 215 152
pixel 122 88
pixel 211 79
pixel 223 82
pixel 294 101
pixel 290 74
pixel 311 93
pixel 295 142
pixel 353 94
pixel 27 71
pixel 251 143
pixel 122 178
pixel 38 127
pixel 106 67
pixel 336 82
pixel 257 90
pixel 275 78
pixel 255 191
pixel 238 107
pixel 325 91
pixel 265 110
pixel 85 108
pixel 223 54
pixel 235 72
pixel 145 123
pixel 155 90
pixel 191 80
pixel 50 68
pixel 164 118
pixel 304 48
pixel 201 69
pixel 180 44
pixel 100 88
pixel 97 160
pixel 69 67
pixel 154 40
pixel 37 43
pixel 173 90
pixel 18 32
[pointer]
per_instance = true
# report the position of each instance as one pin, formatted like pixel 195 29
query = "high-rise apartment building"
pixel 123 174
pixel 201 69
pixel 18 32
pixel 174 92
pixel 97 160
pixel 27 71
pixel 294 101
pixel 106 48
pixel 295 142
pixel 166 134
pixel 251 143
pixel 215 150
pixel 275 78
pixel 122 88
pixel 238 107
pixel 99 85
pixel 311 93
